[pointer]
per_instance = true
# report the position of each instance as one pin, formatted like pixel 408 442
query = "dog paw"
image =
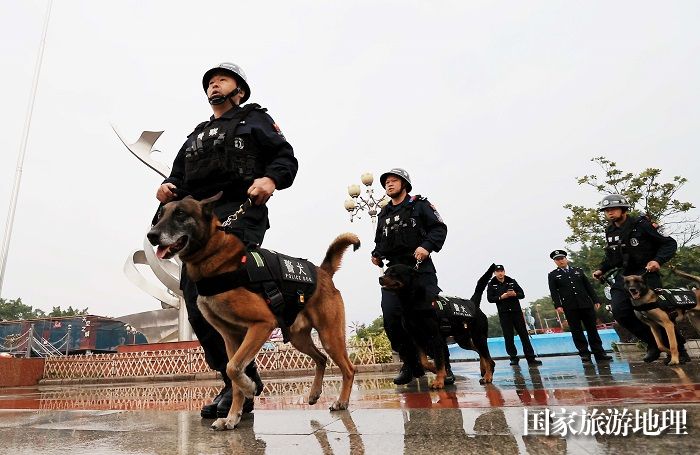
pixel 226 423
pixel 314 398
pixel 674 362
pixel 486 380
pixel 339 406
pixel 437 384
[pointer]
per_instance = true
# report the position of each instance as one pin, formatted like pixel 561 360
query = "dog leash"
pixel 418 261
pixel 237 214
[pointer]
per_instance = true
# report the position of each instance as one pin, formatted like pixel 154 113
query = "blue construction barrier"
pixel 545 344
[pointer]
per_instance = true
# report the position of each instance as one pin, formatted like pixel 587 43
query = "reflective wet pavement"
pixel 160 418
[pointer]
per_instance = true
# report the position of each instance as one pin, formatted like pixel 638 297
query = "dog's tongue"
pixel 161 251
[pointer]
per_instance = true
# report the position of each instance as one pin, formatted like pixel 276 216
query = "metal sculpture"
pixel 167 271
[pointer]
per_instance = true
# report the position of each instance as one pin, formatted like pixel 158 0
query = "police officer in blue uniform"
pixel 506 293
pixel 573 296
pixel 409 229
pixel 241 151
pixel 636 247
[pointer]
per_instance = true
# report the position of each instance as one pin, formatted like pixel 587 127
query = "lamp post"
pixel 359 203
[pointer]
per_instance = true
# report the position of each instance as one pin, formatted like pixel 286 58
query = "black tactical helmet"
pixel 614 201
pixel 235 71
pixel 400 173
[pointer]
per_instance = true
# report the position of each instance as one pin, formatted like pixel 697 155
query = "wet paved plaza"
pixel 163 418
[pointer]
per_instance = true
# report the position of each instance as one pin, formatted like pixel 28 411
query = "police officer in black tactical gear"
pixel 636 247
pixel 505 292
pixel 409 229
pixel 241 151
pixel 573 296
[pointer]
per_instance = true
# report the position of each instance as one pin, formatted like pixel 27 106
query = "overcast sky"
pixel 493 107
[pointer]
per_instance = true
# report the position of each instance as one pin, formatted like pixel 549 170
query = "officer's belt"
pixel 284 281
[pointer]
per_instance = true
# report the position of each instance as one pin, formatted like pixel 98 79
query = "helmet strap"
pixel 216 100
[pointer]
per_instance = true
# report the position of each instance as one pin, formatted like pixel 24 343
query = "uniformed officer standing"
pixel 409 229
pixel 573 295
pixel 242 152
pixel 636 247
pixel 505 292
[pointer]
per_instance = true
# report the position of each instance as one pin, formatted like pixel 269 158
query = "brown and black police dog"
pixel 424 326
pixel 656 318
pixel 188 228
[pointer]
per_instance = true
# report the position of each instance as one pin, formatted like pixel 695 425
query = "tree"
pixel 374 329
pixel 13 310
pixel 58 312
pixel 647 195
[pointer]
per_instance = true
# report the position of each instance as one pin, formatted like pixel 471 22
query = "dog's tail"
pixel 686 275
pixel 334 255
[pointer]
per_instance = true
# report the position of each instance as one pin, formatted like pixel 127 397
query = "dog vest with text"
pixel 451 307
pixel 286 283
pixel 670 300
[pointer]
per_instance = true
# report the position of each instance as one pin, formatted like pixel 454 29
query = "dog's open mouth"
pixel 634 293
pixel 168 251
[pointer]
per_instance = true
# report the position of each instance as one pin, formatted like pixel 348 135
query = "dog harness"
pixel 285 282
pixel 670 300
pixel 449 309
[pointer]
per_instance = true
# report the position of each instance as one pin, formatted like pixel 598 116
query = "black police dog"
pixel 425 327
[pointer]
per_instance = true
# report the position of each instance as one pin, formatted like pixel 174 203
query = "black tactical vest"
pixel 635 250
pixel 401 231
pixel 223 154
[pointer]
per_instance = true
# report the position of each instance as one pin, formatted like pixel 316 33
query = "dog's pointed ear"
pixel 212 199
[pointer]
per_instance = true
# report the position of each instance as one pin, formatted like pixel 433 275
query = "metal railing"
pixel 28 344
pixel 279 356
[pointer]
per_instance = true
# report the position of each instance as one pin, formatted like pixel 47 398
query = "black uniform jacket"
pixel 259 136
pixel 428 221
pixel 635 243
pixel 495 289
pixel 571 289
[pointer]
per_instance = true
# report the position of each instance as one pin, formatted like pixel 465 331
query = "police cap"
pixel 556 254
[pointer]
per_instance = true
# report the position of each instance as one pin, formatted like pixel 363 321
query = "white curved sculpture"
pixel 167 271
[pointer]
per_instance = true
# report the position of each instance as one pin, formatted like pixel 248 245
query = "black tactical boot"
pixel 450 377
pixel 209 411
pixel 602 357
pixel 533 362
pixel 514 361
pixel 405 375
pixel 224 405
pixel 653 353
pixel 586 358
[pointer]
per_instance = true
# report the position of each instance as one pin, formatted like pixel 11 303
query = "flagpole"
pixel 22 151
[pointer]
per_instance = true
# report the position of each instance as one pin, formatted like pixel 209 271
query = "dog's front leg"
pixel 657 334
pixel 673 343
pixel 255 337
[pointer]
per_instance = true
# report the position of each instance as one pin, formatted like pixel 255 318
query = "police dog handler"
pixel 241 151
pixel 634 246
pixel 409 229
